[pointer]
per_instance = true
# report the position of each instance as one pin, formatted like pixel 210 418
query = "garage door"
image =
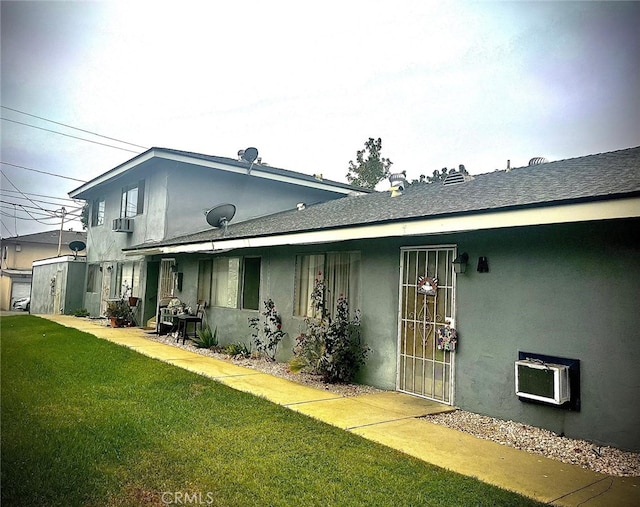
pixel 20 290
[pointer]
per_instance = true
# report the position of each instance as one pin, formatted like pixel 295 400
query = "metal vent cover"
pixel 454 179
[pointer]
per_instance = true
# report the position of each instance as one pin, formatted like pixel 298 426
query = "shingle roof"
pixel 48 237
pixel 594 177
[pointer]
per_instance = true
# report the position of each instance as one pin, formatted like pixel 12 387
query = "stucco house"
pixel 18 255
pixel 549 297
pixel 165 193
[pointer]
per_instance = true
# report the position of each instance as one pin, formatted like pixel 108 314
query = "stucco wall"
pixel 55 286
pixel 568 291
pixel 195 189
pixel 563 290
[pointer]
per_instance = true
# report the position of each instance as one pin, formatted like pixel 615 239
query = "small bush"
pixel 329 347
pixel 81 312
pixel 205 339
pixel 267 337
pixel 237 349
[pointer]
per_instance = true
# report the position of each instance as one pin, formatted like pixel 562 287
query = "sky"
pixel 441 83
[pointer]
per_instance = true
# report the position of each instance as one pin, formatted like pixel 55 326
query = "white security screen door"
pixel 425 307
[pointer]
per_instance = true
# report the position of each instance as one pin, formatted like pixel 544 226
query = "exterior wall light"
pixel 460 263
pixel 483 265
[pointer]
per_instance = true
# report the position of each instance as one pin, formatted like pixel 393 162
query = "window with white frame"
pixel 132 202
pixel 235 282
pixel 97 212
pixel 127 280
pixel 224 282
pixel 340 272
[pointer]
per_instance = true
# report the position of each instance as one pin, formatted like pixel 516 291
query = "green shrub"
pixel 237 349
pixel 205 339
pixel 81 312
pixel 330 348
pixel 269 333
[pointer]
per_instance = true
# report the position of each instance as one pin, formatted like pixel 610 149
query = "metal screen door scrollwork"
pixel 424 370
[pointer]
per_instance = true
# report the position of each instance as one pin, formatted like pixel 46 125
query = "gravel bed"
pixel 602 459
pixel 606 460
pixel 273 368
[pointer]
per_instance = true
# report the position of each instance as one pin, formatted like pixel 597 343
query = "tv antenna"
pixel 77 246
pixel 220 216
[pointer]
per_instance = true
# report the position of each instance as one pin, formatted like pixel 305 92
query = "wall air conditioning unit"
pixel 545 382
pixel 122 225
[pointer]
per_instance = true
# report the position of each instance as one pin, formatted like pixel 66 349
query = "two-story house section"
pixel 165 193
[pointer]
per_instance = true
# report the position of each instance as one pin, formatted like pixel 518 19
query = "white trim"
pixel 56 260
pixel 185 159
pixel 258 172
pixel 564 213
pixel 113 173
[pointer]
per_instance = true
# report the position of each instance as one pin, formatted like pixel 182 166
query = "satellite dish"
pixel 77 246
pixel 250 155
pixel 220 215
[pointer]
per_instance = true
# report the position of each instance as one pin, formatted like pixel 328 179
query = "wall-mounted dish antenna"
pixel 77 246
pixel 249 155
pixel 221 215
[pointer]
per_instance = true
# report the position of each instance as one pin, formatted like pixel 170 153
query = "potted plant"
pixel 118 312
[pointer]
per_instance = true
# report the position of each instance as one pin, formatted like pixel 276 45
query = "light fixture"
pixel 460 263
pixel 483 265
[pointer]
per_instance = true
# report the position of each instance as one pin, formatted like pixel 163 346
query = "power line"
pixel 75 128
pixel 27 198
pixel 75 201
pixel 32 200
pixel 68 135
pixel 43 172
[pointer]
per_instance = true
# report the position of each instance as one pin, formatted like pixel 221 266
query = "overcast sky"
pixel 442 83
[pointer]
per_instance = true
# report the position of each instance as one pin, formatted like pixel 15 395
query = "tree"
pixel 440 175
pixel 84 216
pixel 369 167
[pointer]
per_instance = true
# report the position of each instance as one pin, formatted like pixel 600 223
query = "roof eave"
pixel 444 224
pixel 254 170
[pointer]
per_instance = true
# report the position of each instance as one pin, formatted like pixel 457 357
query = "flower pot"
pixel 116 322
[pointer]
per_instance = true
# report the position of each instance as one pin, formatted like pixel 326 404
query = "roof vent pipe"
pixel 398 180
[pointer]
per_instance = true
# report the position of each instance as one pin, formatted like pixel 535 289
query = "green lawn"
pixel 87 422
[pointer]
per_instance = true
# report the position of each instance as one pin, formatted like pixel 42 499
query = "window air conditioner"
pixel 540 381
pixel 122 225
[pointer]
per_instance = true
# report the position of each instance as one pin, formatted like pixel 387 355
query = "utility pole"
pixel 64 211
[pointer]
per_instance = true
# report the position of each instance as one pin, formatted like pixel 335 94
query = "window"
pixel 167 278
pixel 127 280
pixel 132 203
pixel 341 274
pixel 251 283
pixel 97 212
pixel 92 277
pixel 235 282
pixel 204 280
pixel 225 275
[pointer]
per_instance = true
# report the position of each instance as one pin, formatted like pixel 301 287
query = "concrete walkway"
pixel 390 418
